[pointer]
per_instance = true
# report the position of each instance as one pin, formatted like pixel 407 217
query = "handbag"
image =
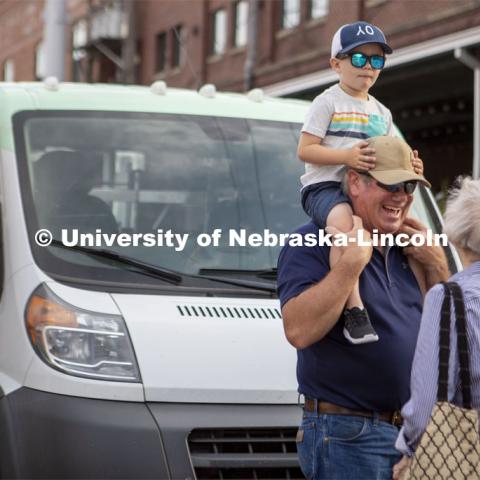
pixel 450 446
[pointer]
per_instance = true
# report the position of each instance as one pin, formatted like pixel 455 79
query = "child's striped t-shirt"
pixel 341 120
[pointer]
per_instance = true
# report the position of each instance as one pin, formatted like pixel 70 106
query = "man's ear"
pixel 354 183
pixel 335 64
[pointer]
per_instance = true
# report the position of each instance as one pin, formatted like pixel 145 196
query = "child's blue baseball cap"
pixel 352 35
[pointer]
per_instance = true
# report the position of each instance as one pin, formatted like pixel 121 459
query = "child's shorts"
pixel 318 200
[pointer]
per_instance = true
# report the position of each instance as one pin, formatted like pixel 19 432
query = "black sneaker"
pixel 357 328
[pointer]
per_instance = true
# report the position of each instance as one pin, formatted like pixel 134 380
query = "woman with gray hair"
pixel 462 226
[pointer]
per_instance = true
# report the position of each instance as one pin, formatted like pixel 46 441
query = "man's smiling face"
pixel 376 207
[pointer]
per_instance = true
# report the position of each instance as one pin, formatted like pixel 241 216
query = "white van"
pixel 135 359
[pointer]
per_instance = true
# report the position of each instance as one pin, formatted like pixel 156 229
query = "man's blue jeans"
pixel 337 447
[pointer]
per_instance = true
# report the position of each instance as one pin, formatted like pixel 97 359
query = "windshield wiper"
pixel 267 273
pixel 267 287
pixel 157 272
pixel 106 255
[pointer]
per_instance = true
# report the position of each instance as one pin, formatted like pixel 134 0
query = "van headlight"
pixel 80 342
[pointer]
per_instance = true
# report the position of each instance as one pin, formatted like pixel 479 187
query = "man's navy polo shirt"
pixel 372 376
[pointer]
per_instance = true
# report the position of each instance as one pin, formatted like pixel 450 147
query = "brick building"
pixel 281 46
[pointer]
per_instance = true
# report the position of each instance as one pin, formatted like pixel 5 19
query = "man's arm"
pixel 436 266
pixel 309 316
pixel 432 259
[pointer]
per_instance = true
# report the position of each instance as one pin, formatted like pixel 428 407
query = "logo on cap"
pixel 368 30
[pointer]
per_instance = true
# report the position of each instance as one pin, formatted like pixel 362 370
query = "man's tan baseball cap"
pixel 394 161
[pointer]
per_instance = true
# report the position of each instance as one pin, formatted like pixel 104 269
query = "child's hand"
pixel 417 163
pixel 360 156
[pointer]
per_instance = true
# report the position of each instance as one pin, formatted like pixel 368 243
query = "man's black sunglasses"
pixel 359 60
pixel 408 186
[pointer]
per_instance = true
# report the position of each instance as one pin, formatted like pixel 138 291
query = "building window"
pixel 79 37
pixel 241 23
pixel 79 40
pixel 290 13
pixel 374 3
pixel 160 51
pixel 9 71
pixel 177 45
pixel 79 51
pixel 219 32
pixel 318 8
pixel 40 62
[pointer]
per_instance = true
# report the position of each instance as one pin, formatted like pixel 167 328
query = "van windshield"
pixel 173 177
pixel 165 175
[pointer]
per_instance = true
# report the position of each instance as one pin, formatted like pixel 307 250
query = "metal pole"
pixel 361 10
pixel 90 52
pixel 251 59
pixel 470 61
pixel 476 124
pixel 55 38
pixel 129 49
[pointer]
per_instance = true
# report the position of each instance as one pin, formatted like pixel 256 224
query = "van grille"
pixel 244 454
pixel 211 311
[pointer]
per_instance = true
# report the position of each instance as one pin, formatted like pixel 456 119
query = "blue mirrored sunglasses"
pixel 359 60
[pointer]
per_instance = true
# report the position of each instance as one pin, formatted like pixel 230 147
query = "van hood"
pixel 210 350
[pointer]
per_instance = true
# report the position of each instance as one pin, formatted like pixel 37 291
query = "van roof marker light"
pixel 256 95
pixel 208 91
pixel 158 88
pixel 52 84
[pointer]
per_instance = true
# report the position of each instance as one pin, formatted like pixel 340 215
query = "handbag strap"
pixel 444 352
pixel 453 289
pixel 462 343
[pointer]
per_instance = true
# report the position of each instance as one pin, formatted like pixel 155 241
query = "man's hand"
pixel 400 468
pixel 360 156
pixel 431 258
pixel 309 316
pixel 356 254
pixel 417 163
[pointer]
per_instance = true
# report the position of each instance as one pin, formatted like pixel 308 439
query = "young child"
pixel 333 138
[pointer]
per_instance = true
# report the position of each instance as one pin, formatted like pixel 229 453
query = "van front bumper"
pixel 44 435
